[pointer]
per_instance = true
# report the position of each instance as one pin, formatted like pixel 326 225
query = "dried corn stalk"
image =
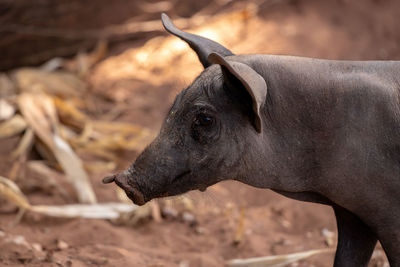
pixel 88 211
pixel 12 193
pixel 13 126
pixel 25 144
pixel 100 166
pixel 100 135
pixel 58 83
pixel 48 177
pixel 6 110
pixel 40 113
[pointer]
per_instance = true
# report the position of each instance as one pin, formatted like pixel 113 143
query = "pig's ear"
pixel 253 82
pixel 202 46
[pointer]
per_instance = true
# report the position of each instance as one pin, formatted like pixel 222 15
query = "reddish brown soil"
pixel 273 224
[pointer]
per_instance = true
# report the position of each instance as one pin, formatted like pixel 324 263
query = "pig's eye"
pixel 203 129
pixel 203 119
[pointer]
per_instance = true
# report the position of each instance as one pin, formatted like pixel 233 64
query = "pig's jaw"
pixel 132 189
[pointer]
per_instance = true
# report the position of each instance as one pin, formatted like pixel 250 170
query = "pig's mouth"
pixel 131 190
pixel 135 194
pixel 180 176
pixel 179 179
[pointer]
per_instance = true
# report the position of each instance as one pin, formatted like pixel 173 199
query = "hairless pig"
pixel 315 130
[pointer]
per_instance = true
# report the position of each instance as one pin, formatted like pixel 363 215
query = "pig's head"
pixel 206 135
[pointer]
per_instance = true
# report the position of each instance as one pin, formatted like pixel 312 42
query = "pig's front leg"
pixel 356 241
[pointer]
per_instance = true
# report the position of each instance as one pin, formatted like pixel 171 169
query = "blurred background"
pixel 85 86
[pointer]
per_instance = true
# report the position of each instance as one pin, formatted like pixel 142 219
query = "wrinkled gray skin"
pixel 330 133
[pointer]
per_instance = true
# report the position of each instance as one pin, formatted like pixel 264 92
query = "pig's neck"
pixel 298 119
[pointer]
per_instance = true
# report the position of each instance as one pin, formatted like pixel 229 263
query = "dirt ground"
pixel 273 224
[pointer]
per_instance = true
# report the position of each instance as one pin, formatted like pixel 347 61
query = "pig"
pixel 315 130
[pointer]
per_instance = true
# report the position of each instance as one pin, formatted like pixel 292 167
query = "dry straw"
pixel 12 193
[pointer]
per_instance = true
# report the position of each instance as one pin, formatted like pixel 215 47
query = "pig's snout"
pixel 131 190
pixel 109 179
